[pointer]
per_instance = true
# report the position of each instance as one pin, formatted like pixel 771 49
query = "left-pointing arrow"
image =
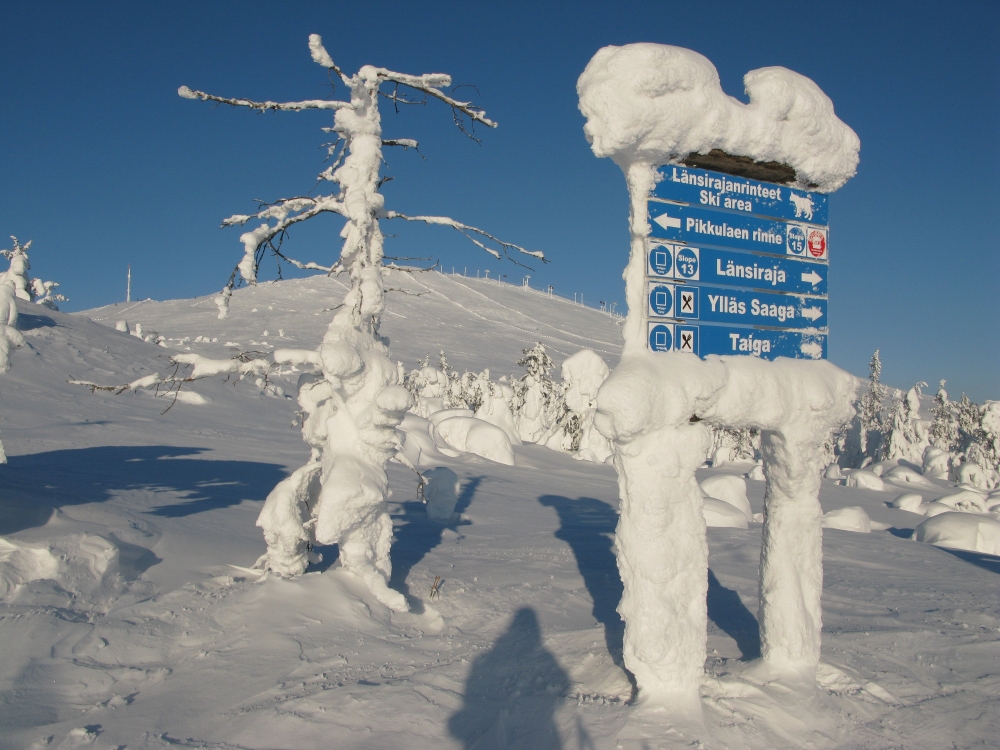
pixel 812 313
pixel 668 222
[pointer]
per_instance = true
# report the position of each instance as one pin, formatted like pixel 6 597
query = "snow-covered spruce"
pixel 352 401
pixel 9 335
pixel 648 105
pixel 25 287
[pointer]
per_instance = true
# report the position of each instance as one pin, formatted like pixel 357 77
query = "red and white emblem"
pixel 817 243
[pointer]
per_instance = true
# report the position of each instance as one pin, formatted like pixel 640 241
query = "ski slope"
pixel 152 630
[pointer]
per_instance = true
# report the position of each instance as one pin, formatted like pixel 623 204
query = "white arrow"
pixel 812 313
pixel 667 221
pixel 812 278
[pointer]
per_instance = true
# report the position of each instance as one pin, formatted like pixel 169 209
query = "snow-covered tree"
pixel 944 429
pixel 350 398
pixel 9 335
pixel 872 422
pixel 537 403
pixel 25 287
pixel 904 436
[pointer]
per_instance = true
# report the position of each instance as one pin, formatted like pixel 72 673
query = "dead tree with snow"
pixel 351 399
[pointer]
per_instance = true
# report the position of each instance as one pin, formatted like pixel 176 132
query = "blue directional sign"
pixel 700 226
pixel 700 187
pixel 765 344
pixel 703 340
pixel 735 268
pixel 713 304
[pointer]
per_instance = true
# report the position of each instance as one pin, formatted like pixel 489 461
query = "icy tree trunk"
pixel 354 414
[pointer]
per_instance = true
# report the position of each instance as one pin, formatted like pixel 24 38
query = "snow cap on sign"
pixel 656 104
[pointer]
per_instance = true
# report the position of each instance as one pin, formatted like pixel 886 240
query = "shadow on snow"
pixel 418 535
pixel 36 484
pixel 512 692
pixel 588 526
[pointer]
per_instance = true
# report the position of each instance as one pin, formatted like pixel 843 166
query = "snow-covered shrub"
pixel 25 287
pixel 732 444
pixel 582 376
pixel 538 399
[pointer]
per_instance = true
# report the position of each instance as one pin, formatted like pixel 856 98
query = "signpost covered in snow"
pixel 720 264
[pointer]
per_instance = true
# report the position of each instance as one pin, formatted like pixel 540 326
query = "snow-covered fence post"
pixel 648 105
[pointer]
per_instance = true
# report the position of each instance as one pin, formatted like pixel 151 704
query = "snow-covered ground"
pixel 132 617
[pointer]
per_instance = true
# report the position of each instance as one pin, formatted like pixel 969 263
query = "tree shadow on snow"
pixel 588 525
pixel 36 484
pixel 730 614
pixel 419 535
pixel 512 692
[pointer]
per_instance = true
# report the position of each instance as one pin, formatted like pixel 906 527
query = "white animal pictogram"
pixel 803 206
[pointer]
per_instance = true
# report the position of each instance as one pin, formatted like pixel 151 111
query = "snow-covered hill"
pixel 138 622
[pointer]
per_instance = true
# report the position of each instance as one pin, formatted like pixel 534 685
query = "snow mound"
pixel 417 443
pixel 910 501
pixel 936 462
pixel 963 531
pixel 441 493
pixel 853 518
pixel 471 435
pixel 966 501
pixel 720 514
pixel 833 472
pixel 865 479
pixel 76 563
pixel 906 475
pixel 656 103
pixel 729 489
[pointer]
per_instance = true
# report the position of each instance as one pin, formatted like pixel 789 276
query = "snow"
pixel 185 645
pixel 961 531
pixel 864 478
pixel 654 103
pixel 729 489
pixel 851 518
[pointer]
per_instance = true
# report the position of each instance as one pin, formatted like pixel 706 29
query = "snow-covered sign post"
pixel 651 108
pixel 350 397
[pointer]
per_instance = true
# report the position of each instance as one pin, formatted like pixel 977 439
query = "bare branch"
pixel 187 93
pixel 468 231
pixel 430 84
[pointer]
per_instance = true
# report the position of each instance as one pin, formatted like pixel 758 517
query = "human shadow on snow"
pixel 588 526
pixel 512 692
pixel 418 535
pixel 36 484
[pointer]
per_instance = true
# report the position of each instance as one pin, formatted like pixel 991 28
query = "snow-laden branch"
pixel 202 367
pixel 187 93
pixel 430 84
pixel 468 231
pixel 255 239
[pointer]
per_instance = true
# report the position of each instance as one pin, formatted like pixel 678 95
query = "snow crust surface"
pixel 178 643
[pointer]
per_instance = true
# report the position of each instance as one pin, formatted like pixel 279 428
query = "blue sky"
pixel 104 165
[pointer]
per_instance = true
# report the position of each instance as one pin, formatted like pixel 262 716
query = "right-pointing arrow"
pixel 812 278
pixel 812 313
